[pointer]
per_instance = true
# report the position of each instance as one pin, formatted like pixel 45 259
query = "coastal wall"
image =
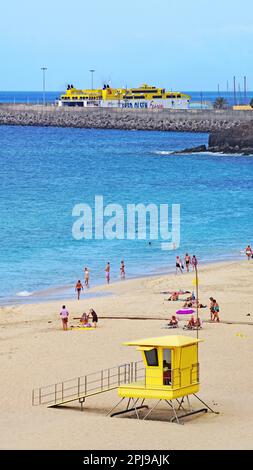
pixel 104 118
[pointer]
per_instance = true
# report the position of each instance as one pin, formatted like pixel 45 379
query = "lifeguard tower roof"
pixel 164 341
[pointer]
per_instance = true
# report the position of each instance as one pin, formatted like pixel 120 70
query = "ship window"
pixel 151 357
pixel 145 91
pixel 157 96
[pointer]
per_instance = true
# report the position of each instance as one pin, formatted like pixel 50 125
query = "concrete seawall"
pixel 105 118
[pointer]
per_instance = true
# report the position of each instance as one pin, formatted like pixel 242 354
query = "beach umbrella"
pixel 185 311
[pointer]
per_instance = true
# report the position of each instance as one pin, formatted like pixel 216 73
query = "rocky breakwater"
pixel 104 118
pixel 239 139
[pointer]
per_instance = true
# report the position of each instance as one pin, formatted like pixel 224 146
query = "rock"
pixel 200 148
pixel 238 139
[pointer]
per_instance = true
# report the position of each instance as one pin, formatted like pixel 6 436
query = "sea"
pixel 199 99
pixel 46 172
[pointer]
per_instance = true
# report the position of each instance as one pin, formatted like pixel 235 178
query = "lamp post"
pixel 44 84
pixel 92 72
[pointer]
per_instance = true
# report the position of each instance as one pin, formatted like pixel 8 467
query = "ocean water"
pixel 44 172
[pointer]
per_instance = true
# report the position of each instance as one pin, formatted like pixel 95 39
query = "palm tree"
pixel 220 103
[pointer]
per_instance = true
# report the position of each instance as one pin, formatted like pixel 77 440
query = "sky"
pixel 182 45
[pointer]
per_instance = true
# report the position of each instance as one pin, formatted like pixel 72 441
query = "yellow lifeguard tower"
pixel 169 371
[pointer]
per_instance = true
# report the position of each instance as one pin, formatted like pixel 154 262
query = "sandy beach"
pixel 35 352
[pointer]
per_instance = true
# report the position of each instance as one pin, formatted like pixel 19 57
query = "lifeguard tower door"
pixel 188 359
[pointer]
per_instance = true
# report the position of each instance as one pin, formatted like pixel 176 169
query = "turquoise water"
pixel 44 172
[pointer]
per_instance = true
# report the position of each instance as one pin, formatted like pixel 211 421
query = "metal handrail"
pixel 128 373
pixel 81 386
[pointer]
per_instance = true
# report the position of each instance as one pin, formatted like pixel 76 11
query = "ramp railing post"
pixel 78 386
pixel 62 391
pixel 102 380
pixel 85 384
pixel 55 393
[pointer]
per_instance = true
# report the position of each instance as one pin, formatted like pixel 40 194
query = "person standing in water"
pixel 248 252
pixel 107 273
pixel 64 318
pixel 187 259
pixel 122 270
pixel 86 277
pixel 178 264
pixel 194 263
pixel 78 289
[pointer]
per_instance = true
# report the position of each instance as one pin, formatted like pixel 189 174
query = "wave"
pixel 163 152
pixel 24 293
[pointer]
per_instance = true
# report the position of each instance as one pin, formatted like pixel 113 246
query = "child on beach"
pixel 64 318
pixel 86 277
pixel 94 317
pixel 78 288
pixel 107 273
pixel 85 320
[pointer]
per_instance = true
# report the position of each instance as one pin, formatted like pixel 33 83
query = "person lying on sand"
pixel 174 296
pixel 173 322
pixel 191 324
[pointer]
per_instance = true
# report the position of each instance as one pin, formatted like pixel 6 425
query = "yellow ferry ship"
pixel 143 97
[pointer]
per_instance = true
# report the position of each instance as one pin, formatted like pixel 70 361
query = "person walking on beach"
pixel 187 259
pixel 107 273
pixel 248 252
pixel 122 270
pixel 178 264
pixel 194 263
pixel 78 289
pixel 211 307
pixel 216 309
pixel 64 318
pixel 86 277
pixel 94 317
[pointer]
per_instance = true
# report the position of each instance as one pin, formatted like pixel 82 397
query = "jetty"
pixel 180 120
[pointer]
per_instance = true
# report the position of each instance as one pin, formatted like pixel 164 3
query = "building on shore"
pixel 143 97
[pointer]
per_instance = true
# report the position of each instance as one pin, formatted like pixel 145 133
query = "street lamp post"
pixel 44 84
pixel 92 71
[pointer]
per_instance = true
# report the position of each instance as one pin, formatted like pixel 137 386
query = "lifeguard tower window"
pixel 151 357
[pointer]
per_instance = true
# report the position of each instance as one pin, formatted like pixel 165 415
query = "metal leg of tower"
pixel 150 411
pixel 216 412
pixel 113 408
